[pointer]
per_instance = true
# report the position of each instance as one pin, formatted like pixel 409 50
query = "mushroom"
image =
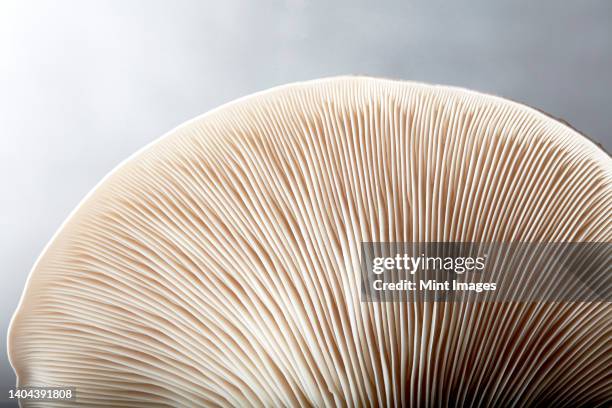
pixel 220 265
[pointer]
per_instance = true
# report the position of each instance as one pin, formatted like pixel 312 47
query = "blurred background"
pixel 84 84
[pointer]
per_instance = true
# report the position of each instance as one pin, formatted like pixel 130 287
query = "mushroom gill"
pixel 220 265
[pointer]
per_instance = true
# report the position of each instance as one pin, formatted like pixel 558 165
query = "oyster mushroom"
pixel 220 265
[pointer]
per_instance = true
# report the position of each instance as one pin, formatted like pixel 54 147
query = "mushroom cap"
pixel 219 266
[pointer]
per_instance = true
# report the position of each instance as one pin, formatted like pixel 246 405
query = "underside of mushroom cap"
pixel 220 265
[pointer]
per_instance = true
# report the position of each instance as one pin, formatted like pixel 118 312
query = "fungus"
pixel 220 265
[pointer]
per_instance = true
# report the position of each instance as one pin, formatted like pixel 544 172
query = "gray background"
pixel 83 84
